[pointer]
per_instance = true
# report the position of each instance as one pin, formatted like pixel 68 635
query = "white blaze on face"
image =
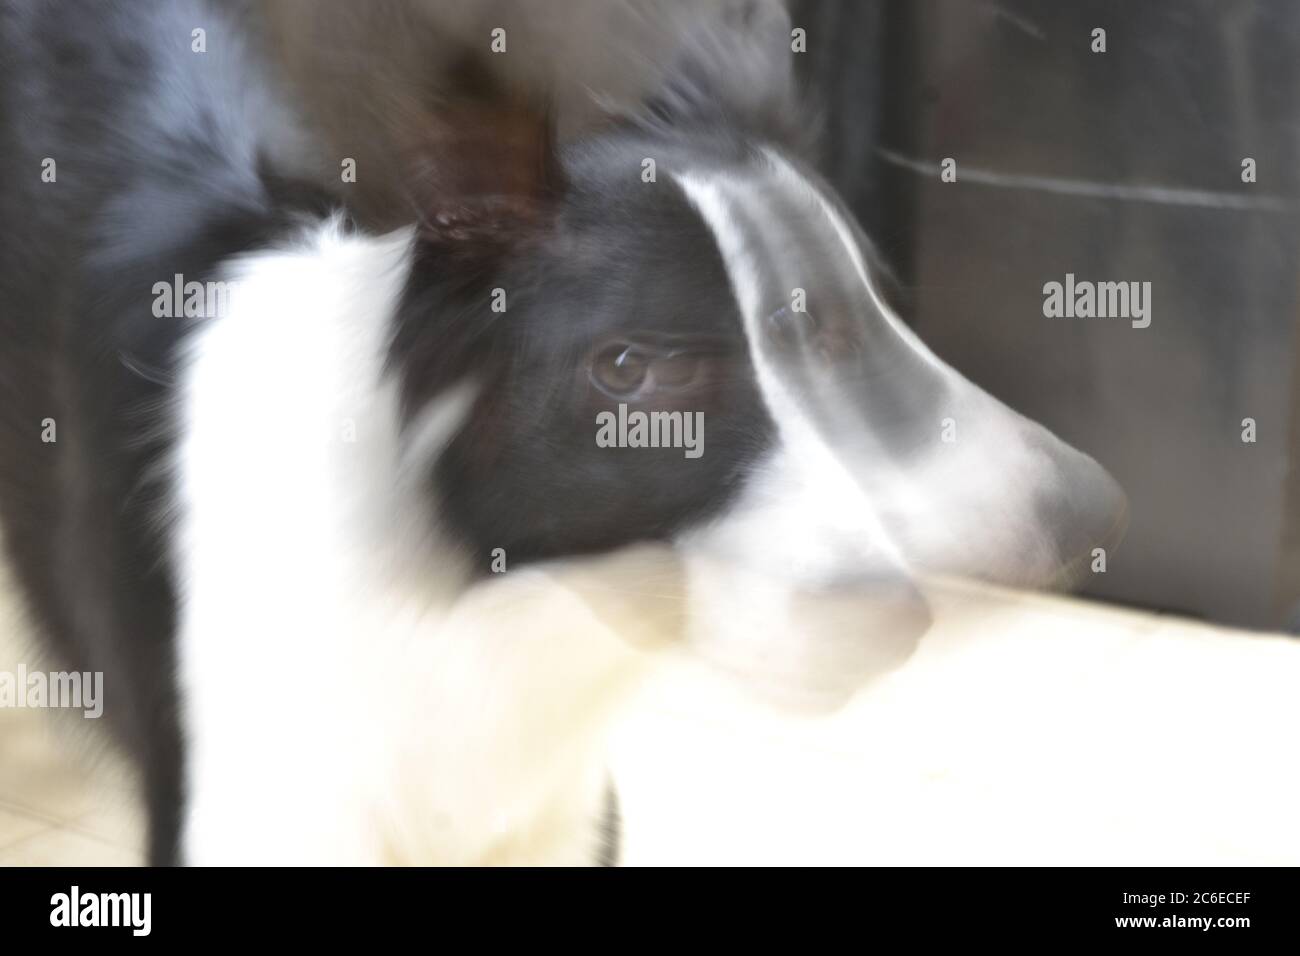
pixel 888 463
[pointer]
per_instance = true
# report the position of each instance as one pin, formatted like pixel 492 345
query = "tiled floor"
pixel 1025 729
pixel 63 799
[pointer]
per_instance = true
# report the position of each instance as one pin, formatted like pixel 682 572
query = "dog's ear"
pixel 735 70
pixel 484 169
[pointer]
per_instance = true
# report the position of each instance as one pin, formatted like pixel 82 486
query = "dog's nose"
pixel 1084 510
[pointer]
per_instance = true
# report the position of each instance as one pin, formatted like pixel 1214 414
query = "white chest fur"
pixel 347 699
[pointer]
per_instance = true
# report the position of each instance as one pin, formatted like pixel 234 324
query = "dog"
pixel 363 584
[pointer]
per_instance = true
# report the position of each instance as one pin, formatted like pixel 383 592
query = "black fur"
pixel 145 189
pixel 616 259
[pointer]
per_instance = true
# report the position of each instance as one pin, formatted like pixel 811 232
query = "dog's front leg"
pixel 271 773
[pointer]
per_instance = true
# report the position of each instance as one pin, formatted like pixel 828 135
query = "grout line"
pixel 69 830
pixel 13 806
pixel 47 828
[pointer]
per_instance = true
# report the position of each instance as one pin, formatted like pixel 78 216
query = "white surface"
pixel 1025 730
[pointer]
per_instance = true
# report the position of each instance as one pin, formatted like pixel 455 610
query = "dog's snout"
pixel 888 462
pixel 1084 510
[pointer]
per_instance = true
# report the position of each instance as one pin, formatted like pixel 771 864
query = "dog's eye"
pixel 620 371
pixel 640 370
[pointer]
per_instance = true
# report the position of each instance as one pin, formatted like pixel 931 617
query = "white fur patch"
pixel 345 699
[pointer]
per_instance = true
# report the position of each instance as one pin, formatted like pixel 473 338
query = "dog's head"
pixel 684 279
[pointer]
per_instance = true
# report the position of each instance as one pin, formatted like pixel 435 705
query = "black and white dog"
pixel 269 507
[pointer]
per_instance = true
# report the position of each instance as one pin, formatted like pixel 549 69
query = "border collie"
pixel 274 524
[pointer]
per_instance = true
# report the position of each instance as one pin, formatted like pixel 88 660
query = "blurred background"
pixel 1117 166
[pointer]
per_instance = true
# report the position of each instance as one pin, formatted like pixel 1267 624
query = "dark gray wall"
pixel 1123 165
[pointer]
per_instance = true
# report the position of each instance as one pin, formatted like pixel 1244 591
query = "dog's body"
pixel 275 528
